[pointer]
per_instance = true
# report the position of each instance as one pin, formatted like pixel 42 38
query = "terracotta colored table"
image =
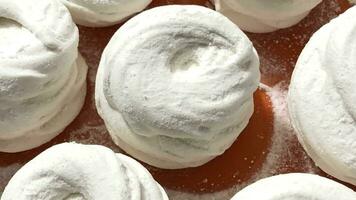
pixel 261 150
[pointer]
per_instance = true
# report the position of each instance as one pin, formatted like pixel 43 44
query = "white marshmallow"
pixel 322 97
pixel 261 16
pixel 75 171
pixel 99 13
pixel 42 79
pixel 175 85
pixel 295 186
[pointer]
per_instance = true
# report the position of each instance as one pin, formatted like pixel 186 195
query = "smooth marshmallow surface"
pixel 42 78
pixel 260 16
pixel 322 97
pixel 98 13
pixel 176 91
pixel 82 172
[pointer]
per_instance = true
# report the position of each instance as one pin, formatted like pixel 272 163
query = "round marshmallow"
pixel 295 186
pixel 99 13
pixel 42 79
pixel 261 16
pixel 322 97
pixel 75 171
pixel 175 85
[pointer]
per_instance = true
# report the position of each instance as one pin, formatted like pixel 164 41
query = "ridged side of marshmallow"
pixel 295 186
pixel 78 171
pixel 175 85
pixel 262 16
pixel 39 72
pixel 43 133
pixel 99 13
pixel 322 97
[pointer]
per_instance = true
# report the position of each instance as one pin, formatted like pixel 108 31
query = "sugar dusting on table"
pixel 281 153
pixel 285 152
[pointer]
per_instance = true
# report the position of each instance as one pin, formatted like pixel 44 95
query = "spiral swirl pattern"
pixel 176 91
pixel 75 171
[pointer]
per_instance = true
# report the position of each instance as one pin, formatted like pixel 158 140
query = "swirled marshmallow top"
pixel 175 85
pixel 75 171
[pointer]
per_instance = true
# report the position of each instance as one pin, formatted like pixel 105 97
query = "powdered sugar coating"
pixel 260 16
pixel 321 97
pixel 99 13
pixel 40 73
pixel 295 186
pixel 278 52
pixel 180 92
pixel 75 171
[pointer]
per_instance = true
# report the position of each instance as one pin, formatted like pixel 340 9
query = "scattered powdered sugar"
pixel 284 154
pixel 284 141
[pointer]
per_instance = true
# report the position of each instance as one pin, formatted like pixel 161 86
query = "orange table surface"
pixel 248 157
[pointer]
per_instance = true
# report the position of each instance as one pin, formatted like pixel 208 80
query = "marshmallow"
pixel 99 13
pixel 295 186
pixel 42 79
pixel 261 16
pixel 175 85
pixel 75 171
pixel 322 97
